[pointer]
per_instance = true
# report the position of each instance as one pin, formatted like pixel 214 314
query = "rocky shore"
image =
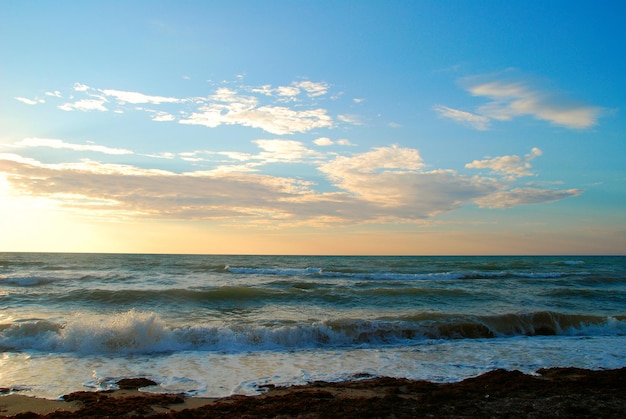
pixel 555 392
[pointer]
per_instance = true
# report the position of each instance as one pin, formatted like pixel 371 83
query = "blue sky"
pixel 401 127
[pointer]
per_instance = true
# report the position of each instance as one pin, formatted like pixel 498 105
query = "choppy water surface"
pixel 216 325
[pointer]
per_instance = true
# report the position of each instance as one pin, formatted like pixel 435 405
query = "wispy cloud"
pixel 136 97
pixel 60 144
pixel 163 155
pixel 271 151
pixel 160 116
pixel 29 101
pixel 313 89
pixel 85 105
pixel 278 150
pixel 350 119
pixel 478 122
pixel 525 196
pixel 511 98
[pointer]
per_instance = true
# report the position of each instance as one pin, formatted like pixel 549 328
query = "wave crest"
pixel 146 332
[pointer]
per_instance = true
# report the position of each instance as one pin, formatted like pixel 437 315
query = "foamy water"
pixel 218 325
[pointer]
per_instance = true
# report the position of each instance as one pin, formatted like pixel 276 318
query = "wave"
pixel 284 292
pixel 39 279
pixel 385 275
pixel 146 332
pixel 167 296
pixel 46 277
pixel 273 271
pixel 27 281
pixel 288 291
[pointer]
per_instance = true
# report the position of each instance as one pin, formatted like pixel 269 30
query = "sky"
pixel 313 127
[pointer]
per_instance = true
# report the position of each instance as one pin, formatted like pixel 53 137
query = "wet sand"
pixel 556 392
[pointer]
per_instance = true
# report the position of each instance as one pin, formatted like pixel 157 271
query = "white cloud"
pixel 265 89
pixel 128 191
pixel 163 117
pixel 382 158
pixel 273 119
pixel 350 119
pixel 478 122
pixel 278 150
pixel 84 166
pixel 323 141
pixel 85 105
pixel 391 178
pixel 287 91
pixel 394 178
pixel 29 101
pixel 345 141
pixel 164 155
pixel 79 87
pixel 510 166
pixel 18 159
pixel 358 100
pixel 235 155
pixel 226 106
pixel 384 185
pixel 206 155
pixel 272 151
pixel 191 157
pixel 313 89
pixel 60 144
pixel 136 97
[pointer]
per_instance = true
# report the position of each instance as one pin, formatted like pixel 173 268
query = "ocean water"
pixel 219 325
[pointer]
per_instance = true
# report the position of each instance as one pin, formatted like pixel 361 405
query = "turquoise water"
pixel 217 325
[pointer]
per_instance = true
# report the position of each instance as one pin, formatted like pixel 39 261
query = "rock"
pixel 134 383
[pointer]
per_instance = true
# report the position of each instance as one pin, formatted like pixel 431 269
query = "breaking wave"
pixel 146 332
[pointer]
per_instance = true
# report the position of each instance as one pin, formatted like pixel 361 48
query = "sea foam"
pixel 146 332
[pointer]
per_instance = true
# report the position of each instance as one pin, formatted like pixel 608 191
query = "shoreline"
pixel 567 392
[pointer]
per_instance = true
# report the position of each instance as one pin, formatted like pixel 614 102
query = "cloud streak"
pixel 478 122
pixel 512 99
pixel 525 196
pixel 136 97
pixel 29 101
pixel 60 144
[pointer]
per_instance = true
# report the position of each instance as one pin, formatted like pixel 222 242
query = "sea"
pixel 218 325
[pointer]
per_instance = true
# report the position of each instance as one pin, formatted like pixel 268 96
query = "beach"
pixel 554 392
pixel 291 336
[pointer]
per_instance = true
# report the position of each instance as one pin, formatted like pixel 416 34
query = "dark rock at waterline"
pixel 134 383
